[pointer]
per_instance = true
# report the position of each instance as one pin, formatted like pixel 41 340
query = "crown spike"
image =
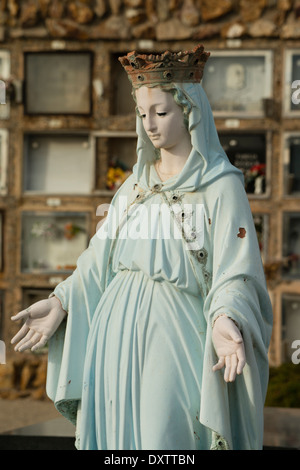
pixel 168 67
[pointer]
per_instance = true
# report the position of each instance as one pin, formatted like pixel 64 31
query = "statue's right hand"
pixel 41 320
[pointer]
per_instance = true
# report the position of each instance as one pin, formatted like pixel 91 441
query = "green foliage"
pixel 284 386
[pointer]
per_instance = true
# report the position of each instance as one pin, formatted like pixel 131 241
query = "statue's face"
pixel 162 117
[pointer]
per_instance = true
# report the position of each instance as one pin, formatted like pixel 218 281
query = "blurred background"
pixel 67 141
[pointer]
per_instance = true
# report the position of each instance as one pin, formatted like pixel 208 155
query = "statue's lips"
pixel 154 136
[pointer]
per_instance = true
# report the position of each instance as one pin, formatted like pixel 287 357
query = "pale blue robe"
pixel 136 350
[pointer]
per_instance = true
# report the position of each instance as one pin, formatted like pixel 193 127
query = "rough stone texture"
pixel 65 28
pixel 235 29
pixel 262 28
pixel 115 27
pixel 80 19
pixel 251 11
pixel 190 15
pixel 212 9
pixel 144 31
pixel 100 8
pixel 135 16
pixel 81 13
pixel 169 29
pixel 56 9
pixel 29 14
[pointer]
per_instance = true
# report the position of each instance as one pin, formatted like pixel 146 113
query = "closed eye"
pixel 161 114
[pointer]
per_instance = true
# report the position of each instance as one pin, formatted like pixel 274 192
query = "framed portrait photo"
pixel 237 82
pixel 58 82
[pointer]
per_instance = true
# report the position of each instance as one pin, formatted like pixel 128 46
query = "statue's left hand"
pixel 229 346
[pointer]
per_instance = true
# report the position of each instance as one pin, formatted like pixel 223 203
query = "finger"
pixel 241 360
pixel 21 333
pixel 26 338
pixel 40 344
pixel 234 362
pixel 227 368
pixel 236 336
pixel 219 364
pixel 24 314
pixel 30 342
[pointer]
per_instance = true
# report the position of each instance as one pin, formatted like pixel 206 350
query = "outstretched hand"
pixel 41 321
pixel 229 346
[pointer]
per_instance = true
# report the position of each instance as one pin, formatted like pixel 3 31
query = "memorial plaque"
pixel 48 158
pixel 247 151
pixel 58 83
pixel 231 81
pixel 52 242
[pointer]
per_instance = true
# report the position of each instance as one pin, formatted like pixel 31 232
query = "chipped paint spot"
pixel 242 233
pixel 209 221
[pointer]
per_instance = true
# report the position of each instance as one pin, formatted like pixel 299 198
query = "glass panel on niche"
pixel 121 100
pixel 230 81
pixel 292 165
pixel 291 245
pixel 247 152
pixel 52 242
pixel 290 326
pixel 58 82
pixel 58 163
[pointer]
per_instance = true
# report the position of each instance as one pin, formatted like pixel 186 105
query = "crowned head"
pixel 166 68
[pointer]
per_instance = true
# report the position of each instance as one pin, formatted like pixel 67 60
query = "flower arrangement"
pixel 44 230
pixel 51 231
pixel 71 230
pixel 255 178
pixel 116 175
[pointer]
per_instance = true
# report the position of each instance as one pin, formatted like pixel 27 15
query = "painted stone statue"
pixel 159 338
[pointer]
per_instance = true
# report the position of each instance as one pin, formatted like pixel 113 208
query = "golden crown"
pixel 147 69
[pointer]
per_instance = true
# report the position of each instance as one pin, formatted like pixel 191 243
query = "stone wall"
pixel 149 19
